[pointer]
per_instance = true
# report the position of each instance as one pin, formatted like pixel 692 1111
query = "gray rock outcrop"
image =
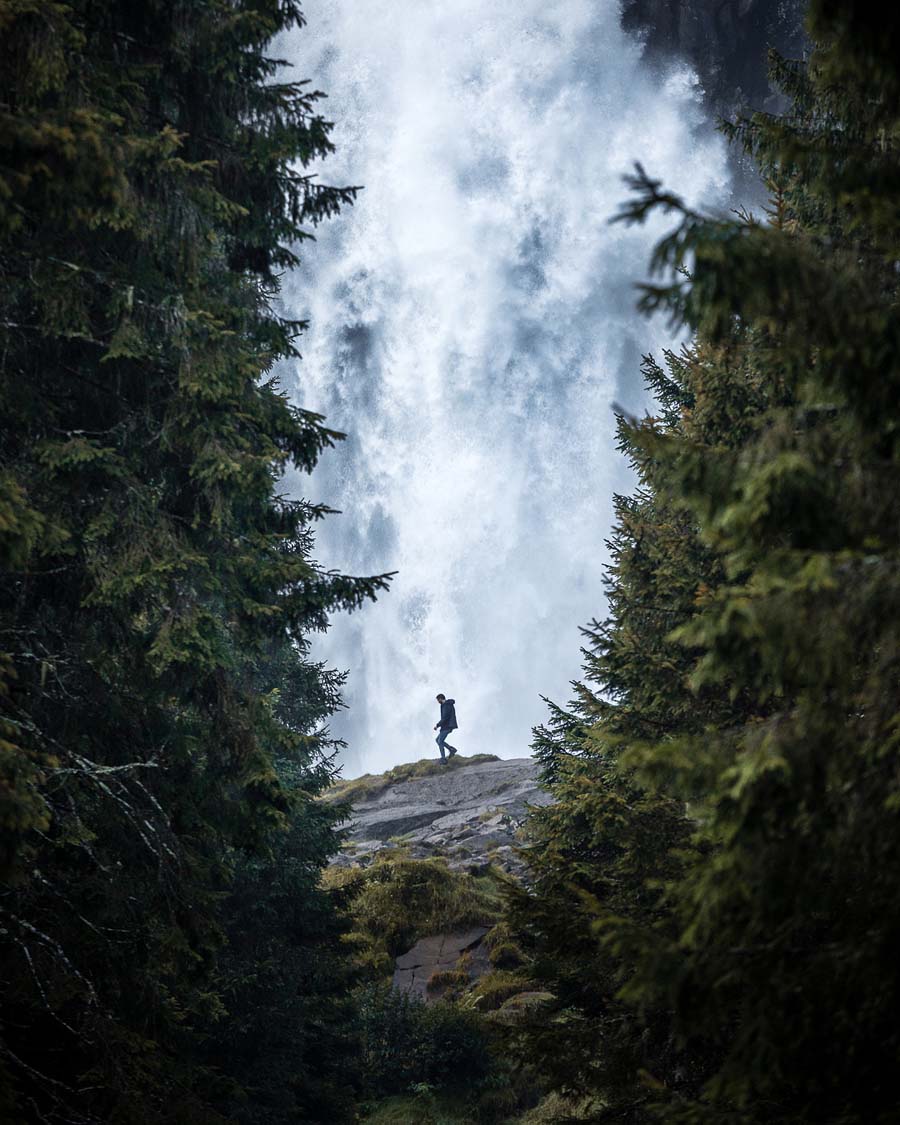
pixel 439 954
pixel 470 815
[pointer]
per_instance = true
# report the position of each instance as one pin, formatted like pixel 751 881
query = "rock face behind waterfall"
pixel 467 811
pixel 724 40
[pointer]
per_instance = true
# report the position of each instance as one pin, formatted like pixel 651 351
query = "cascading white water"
pixel 472 323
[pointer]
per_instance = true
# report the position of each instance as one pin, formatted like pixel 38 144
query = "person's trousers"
pixel 442 739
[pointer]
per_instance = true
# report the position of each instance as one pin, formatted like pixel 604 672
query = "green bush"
pixel 398 900
pixel 506 955
pixel 406 1042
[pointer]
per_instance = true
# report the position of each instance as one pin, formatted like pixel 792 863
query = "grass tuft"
pixel 493 989
pixel 447 982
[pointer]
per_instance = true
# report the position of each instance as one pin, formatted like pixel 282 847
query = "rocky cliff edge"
pixel 468 811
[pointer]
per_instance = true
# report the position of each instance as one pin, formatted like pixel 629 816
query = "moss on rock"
pixel 369 785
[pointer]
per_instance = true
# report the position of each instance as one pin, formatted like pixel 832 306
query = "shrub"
pixel 398 900
pixel 506 955
pixel 406 1042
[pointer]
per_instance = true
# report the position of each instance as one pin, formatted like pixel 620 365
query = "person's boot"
pixel 451 750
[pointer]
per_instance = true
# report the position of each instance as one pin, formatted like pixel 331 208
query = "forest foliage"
pixel 166 945
pixel 712 916
pixel 715 902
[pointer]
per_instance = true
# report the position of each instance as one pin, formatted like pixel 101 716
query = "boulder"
pixel 438 954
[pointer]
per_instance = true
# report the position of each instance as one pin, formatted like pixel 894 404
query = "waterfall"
pixel 471 324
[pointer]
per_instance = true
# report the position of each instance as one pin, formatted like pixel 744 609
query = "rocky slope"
pixel 468 811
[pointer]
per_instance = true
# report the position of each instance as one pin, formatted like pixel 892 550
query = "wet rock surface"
pixel 469 815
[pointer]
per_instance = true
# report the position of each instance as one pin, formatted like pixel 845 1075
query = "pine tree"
pixel 600 855
pixel 151 190
pixel 770 970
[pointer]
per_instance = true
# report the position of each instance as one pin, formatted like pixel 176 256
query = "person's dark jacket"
pixel 448 715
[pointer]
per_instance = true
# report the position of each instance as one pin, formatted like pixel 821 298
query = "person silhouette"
pixel 447 723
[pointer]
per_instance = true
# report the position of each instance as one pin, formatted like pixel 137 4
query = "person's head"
pixel 441 697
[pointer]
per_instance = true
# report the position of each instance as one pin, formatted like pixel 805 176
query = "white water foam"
pixel 472 322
